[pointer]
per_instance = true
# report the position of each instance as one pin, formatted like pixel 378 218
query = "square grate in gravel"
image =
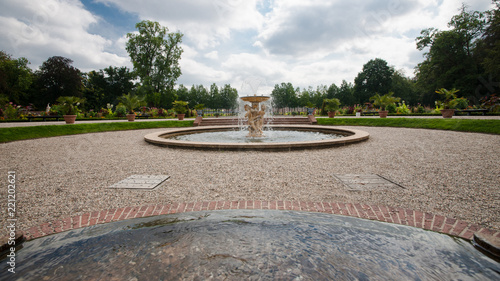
pixel 140 182
pixel 365 182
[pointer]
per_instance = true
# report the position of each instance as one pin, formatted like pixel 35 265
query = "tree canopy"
pixel 56 78
pixel 464 57
pixel 155 54
pixel 15 78
pixel 376 77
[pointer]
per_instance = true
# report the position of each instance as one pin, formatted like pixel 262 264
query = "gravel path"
pixel 453 174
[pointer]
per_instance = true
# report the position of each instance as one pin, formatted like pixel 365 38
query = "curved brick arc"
pixel 401 216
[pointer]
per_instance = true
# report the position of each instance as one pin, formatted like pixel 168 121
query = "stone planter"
pixel 130 117
pixel 181 116
pixel 447 113
pixel 70 119
pixel 383 113
pixel 331 114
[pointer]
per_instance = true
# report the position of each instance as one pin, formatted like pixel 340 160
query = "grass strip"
pixel 33 132
pixel 461 125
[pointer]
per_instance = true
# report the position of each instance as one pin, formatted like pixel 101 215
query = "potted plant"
pixel 383 101
pixel 199 109
pixel 358 109
pixel 311 110
pixel 331 106
pixel 69 108
pixel 449 103
pixel 180 107
pixel 131 102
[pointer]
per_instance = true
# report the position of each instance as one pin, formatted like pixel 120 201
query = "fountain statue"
pixel 255 115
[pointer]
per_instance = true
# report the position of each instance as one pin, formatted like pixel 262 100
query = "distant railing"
pixel 209 112
pixel 290 111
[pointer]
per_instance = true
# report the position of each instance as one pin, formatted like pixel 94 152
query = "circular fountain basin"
pixel 250 245
pixel 338 137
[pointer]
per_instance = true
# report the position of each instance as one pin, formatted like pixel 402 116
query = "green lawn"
pixel 32 132
pixel 461 125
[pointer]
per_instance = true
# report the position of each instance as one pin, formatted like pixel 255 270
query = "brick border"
pixel 400 216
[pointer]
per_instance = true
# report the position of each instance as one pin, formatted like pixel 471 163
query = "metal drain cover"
pixel 366 182
pixel 140 182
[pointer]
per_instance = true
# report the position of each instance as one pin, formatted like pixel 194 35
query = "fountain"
pixel 254 116
pixel 256 134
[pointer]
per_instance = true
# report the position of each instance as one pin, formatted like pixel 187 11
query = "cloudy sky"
pixel 250 44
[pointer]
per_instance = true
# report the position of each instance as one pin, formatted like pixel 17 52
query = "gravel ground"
pixel 453 174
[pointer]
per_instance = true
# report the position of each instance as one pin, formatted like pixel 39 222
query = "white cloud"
pixel 205 24
pixel 212 55
pixel 39 29
pixel 305 42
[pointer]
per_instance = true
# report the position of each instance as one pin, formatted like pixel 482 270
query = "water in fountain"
pixel 261 132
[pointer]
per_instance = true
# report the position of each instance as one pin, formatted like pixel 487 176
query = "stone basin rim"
pixel 350 136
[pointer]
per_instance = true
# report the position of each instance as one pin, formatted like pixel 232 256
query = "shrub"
pixel 391 108
pixel 11 111
pixel 461 103
pixel 121 110
pixel 420 109
pixel 403 109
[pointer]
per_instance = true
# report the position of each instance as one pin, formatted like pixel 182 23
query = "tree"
pixel 215 100
pixel 155 54
pixel 199 95
pixel 346 93
pixel 183 94
pixel 332 92
pixel 284 95
pixel 405 88
pixel 488 49
pixel 15 78
pixel 229 97
pixel 376 77
pixel 107 85
pixel 56 78
pixel 451 60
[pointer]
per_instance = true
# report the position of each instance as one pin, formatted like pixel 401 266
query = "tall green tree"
pixel 15 78
pixel 346 93
pixel 451 61
pixel 376 77
pixel 332 92
pixel 56 78
pixel 155 53
pixel 107 85
pixel 215 97
pixel 405 88
pixel 284 95
pixel 229 97
pixel 183 94
pixel 199 95
pixel 488 49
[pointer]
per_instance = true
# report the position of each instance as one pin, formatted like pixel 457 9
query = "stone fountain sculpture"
pixel 255 115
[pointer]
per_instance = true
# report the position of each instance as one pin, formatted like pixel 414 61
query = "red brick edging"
pixel 401 216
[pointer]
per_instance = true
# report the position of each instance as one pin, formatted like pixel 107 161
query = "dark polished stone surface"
pixel 250 245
